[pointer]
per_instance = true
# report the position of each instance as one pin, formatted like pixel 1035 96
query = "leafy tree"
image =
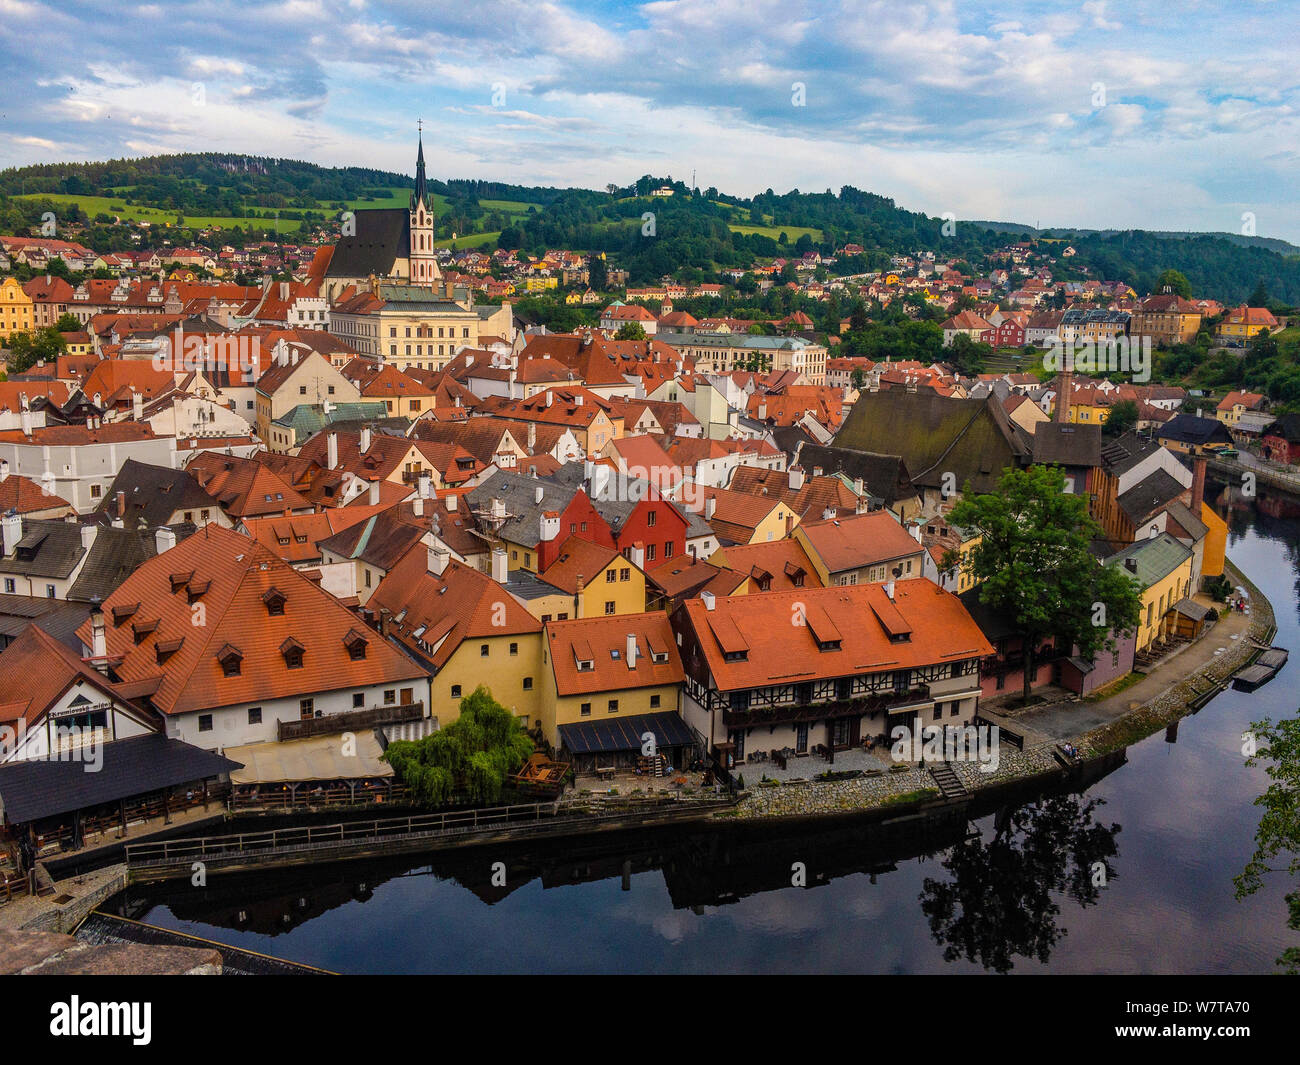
pixel 475 754
pixel 1176 282
pixel 27 349
pixel 1123 418
pixel 1035 566
pixel 630 331
pixel 1278 835
pixel 68 323
pixel 598 274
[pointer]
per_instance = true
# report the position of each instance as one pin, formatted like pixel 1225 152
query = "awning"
pixel 624 734
pixel 313 758
pixel 131 767
pixel 1189 608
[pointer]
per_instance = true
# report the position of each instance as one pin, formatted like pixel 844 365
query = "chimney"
pixel 98 640
pixel 417 505
pixel 374 493
pixel 707 598
pixel 137 406
pixel 26 417
pixel 550 526
pixel 332 451
pixel 532 438
pixel 11 529
pixel 538 493
pixel 449 501
pixel 1063 400
pixel 121 504
pixel 637 555
pixel 762 411
pixel 631 651
pixel 1198 485
pixel 88 533
pixel 164 539
pixel 439 556
pixel 710 507
pixel 425 485
pixel 284 291
pixel 499 570
pixel 796 478
pixel 365 440
pixel 550 397
pixel 1131 564
pixel 4 470
pixel 889 590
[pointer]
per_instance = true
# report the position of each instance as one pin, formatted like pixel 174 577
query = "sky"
pixel 1100 114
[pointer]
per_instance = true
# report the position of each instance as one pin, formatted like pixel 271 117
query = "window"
pixel 96 491
pixel 10 586
pixel 49 591
pixel 302 390
pixel 390 696
pixel 514 648
pixel 625 574
pixel 585 710
pixel 306 708
pixel 668 549
pixel 528 684
pixel 650 553
pixel 953 707
pixel 938 711
pixel 610 576
pixel 205 722
pixel 613 706
pixel 652 519
pixel 254 715
pixel 483 650
pixel 654 702
pixel 358 700
pixel 455 691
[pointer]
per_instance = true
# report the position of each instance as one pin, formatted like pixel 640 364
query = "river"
pixel 1133 875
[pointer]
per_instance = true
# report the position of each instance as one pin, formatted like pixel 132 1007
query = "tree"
pixel 68 323
pixel 27 349
pixel 1123 418
pixel 1258 298
pixel 1034 565
pixel 1176 282
pixel 474 755
pixel 1278 834
pixel 597 274
pixel 630 331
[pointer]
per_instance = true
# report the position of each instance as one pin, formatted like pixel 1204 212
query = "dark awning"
pixel 624 734
pixel 130 767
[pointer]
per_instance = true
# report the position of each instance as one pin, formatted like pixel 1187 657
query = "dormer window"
pixel 141 629
pixel 231 659
pixel 180 580
pixel 292 651
pixel 274 600
pixel 124 611
pixel 356 645
pixel 164 649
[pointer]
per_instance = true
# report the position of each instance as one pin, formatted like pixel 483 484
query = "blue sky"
pixel 1098 114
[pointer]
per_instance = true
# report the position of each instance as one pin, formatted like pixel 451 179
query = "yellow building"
pixel 1242 323
pixel 1216 543
pixel 623 671
pixel 1163 567
pixel 17 310
pixel 585 581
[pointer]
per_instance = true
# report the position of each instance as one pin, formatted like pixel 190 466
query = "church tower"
pixel 423 264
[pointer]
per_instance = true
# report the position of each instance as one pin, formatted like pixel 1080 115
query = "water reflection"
pixel 1001 900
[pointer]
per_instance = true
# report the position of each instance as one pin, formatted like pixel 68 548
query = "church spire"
pixel 421 193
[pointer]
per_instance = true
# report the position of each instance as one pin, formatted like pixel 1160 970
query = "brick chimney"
pixel 1198 486
pixel 1063 399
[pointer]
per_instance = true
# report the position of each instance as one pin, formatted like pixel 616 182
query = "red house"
pixel 1281 440
pixel 1010 334
pixel 657 525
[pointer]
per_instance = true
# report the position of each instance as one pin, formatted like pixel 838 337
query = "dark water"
pixel 1168 829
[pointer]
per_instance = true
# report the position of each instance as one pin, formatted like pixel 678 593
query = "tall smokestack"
pixel 1063 400
pixel 1198 485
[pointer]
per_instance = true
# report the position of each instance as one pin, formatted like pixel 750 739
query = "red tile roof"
pixel 603 643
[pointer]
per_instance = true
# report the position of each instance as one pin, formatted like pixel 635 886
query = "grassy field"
pixel 94 205
pixel 470 240
pixel 511 207
pixel 792 233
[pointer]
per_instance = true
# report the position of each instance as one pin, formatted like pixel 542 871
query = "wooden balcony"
pixel 349 721
pixel 794 713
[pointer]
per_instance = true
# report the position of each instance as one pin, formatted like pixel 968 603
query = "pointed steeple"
pixel 421 193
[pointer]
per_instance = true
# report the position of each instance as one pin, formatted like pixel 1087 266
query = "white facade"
pixel 82 473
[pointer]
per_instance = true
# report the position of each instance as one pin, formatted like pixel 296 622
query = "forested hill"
pixel 695 234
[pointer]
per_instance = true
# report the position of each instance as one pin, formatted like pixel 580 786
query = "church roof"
pixel 383 236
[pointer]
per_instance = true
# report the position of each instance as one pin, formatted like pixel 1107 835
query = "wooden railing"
pixel 332 794
pixel 310 836
pixel 349 720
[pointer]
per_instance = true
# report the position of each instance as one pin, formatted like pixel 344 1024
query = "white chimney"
pixel 710 507
pixel 550 397
pixel 439 556
pixel 98 640
pixel 11 527
pixel 637 555
pixel 164 539
pixel 332 451
pixel 26 417
pixel 374 493
pixel 796 478
pixel 550 526
pixel 538 493
pixel 4 469
pixel 417 506
pixel 425 486
pixel 631 651
pixel 708 599
pixel 449 501
pixel 889 590
pixel 499 569
pixel 365 440
pixel 88 533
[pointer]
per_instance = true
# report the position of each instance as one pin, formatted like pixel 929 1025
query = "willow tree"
pixel 472 756
pixel 1033 564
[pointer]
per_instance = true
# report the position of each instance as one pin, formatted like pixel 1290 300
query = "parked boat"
pixel 1261 671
